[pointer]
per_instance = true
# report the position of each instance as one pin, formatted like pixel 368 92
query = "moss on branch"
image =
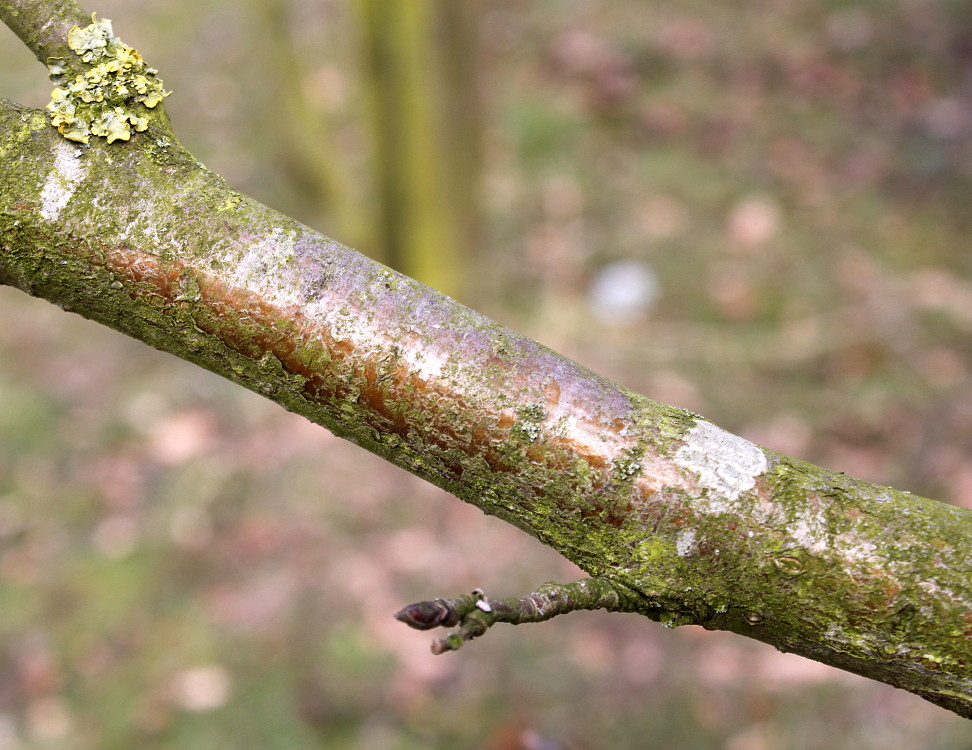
pixel 693 524
pixel 672 517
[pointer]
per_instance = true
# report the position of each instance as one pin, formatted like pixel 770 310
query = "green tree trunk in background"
pixel 419 108
pixel 419 198
pixel 308 148
pixel 457 47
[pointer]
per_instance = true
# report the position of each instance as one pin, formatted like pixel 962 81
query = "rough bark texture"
pixel 689 523
pixel 43 26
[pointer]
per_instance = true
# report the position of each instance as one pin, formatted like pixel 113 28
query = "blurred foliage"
pixel 185 566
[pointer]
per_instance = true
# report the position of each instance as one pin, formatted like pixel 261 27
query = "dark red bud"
pixel 426 615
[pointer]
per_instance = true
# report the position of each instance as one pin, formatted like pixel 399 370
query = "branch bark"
pixel 675 518
pixel 43 26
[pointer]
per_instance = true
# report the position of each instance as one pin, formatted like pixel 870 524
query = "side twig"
pixel 475 613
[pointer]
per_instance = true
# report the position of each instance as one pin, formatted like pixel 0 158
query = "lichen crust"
pixel 102 101
pixel 725 464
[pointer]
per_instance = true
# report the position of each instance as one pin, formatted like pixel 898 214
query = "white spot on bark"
pixel 62 181
pixel 427 364
pixel 685 542
pixel 810 531
pixel 268 267
pixel 726 464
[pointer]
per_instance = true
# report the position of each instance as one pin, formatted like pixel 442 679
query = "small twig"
pixel 475 613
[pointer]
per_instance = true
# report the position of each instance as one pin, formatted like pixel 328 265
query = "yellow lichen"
pixel 102 100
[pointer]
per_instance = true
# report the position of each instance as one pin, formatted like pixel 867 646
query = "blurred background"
pixel 757 210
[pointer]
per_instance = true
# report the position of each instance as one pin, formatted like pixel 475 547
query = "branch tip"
pixel 427 615
pixel 475 613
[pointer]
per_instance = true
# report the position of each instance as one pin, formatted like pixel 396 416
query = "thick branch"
pixel 689 523
pixel 685 522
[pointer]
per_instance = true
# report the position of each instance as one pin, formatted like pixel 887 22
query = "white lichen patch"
pixel 102 101
pixel 810 532
pixel 62 181
pixel 426 364
pixel 269 268
pixel 856 548
pixel 685 542
pixel 723 463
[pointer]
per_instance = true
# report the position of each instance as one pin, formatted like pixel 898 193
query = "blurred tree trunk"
pixel 461 110
pixel 422 113
pixel 308 142
pixel 418 105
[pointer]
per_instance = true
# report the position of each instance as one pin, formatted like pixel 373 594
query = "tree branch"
pixel 683 521
pixel 475 613
pixel 43 25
